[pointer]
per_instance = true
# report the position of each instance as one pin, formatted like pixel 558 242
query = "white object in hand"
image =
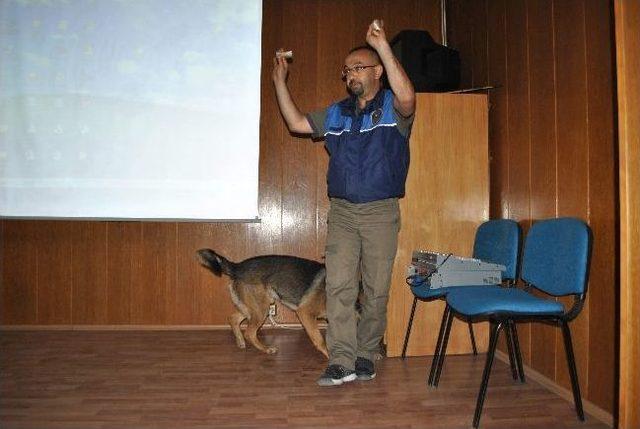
pixel 376 25
pixel 284 54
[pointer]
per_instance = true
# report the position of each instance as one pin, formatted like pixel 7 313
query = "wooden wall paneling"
pixel 425 16
pixel 441 210
pixel 54 272
pixel 143 288
pixel 204 297
pixel 627 25
pixel 331 52
pixel 395 19
pixel 543 152
pixel 603 203
pixel 181 293
pixel 89 273
pixel 518 111
pixel 498 131
pixel 571 158
pixel 298 152
pixel 573 153
pixel 455 31
pixel 461 37
pixel 363 13
pixel 20 247
pixel 150 303
pixel 468 33
pixel 265 236
pixel 124 242
pixel 479 43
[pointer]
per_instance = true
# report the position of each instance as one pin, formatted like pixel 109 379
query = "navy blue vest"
pixel 369 157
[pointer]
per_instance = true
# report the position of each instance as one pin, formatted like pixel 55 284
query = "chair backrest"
pixel 556 256
pixel 498 241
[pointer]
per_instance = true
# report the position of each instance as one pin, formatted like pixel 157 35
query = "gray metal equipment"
pixel 437 270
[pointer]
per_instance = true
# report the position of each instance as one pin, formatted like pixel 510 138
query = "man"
pixel 366 136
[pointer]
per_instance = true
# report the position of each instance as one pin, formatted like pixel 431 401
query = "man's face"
pixel 363 81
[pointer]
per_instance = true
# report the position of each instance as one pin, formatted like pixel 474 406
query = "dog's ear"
pixel 209 259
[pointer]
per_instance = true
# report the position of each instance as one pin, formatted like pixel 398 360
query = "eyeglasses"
pixel 355 69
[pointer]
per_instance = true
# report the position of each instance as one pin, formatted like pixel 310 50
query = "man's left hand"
pixel 376 37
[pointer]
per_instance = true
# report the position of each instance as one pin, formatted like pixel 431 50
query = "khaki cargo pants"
pixel 362 239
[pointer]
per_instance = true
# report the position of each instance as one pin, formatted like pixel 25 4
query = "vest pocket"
pixel 336 178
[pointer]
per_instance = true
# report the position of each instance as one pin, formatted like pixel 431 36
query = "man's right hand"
pixel 295 119
pixel 280 68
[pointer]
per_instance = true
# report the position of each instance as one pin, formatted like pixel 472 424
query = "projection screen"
pixel 138 109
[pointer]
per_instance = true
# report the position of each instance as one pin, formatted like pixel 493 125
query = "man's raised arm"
pixel 404 94
pixel 295 119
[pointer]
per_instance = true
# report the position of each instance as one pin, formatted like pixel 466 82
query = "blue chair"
pixel 496 241
pixel 555 261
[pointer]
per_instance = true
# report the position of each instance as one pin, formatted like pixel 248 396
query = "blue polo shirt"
pixel 368 148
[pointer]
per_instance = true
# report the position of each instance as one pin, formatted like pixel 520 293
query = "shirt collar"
pixel 349 105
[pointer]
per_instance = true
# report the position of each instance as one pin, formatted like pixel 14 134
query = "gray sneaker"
pixel 365 369
pixel 335 375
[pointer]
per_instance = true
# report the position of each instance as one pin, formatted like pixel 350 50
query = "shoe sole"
pixel 366 377
pixel 328 382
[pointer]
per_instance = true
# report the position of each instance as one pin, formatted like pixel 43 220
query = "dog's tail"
pixel 216 263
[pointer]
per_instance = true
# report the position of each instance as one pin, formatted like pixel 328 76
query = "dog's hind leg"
pixel 234 321
pixel 251 333
pixel 256 300
pixel 310 323
pixel 236 318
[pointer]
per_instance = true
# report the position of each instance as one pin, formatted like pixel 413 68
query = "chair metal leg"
pixel 493 342
pixel 406 336
pixel 511 351
pixel 516 349
pixel 438 350
pixel 473 339
pixel 571 362
pixel 443 349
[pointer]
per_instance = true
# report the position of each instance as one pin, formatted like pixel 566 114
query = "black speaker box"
pixel 431 67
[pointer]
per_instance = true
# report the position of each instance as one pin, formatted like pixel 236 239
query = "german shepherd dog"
pixel 258 282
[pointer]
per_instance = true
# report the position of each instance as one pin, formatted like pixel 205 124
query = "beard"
pixel 356 88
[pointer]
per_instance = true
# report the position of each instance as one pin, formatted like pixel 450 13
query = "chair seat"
pixel 424 292
pixel 482 300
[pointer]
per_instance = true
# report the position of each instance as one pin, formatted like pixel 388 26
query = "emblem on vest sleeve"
pixel 376 115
